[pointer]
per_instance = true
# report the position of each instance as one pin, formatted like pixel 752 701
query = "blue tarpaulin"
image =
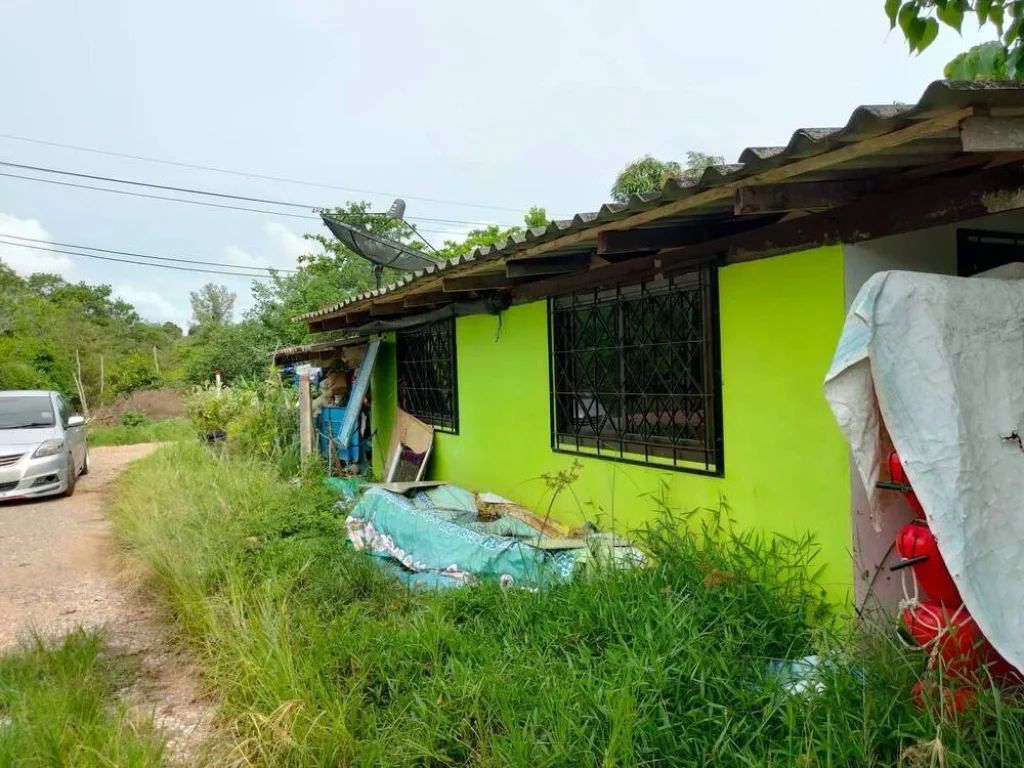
pixel 437 537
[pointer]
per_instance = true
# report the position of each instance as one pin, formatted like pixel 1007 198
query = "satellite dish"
pixel 382 251
pixel 397 209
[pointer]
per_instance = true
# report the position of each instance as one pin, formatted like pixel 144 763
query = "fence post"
pixel 305 417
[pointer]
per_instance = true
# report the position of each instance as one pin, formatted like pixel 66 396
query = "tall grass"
pixel 319 659
pixel 57 708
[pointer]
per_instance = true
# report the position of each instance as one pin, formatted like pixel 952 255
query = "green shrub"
pixel 211 409
pixel 130 373
pixel 134 419
pixel 259 419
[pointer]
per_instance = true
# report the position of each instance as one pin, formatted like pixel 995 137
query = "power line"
pixel 137 263
pixel 159 197
pixel 190 202
pixel 143 255
pixel 208 193
pixel 244 174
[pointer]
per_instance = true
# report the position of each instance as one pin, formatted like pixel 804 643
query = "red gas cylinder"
pixel 899 475
pixel 916 540
pixel 958 699
pixel 962 648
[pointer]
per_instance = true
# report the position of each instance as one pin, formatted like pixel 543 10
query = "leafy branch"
pixel 920 21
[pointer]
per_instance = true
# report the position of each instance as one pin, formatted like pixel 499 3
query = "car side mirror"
pixel 76 421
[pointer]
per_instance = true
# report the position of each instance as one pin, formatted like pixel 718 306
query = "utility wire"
pixel 208 193
pixel 282 179
pixel 133 254
pixel 138 263
pixel 159 197
pixel 204 203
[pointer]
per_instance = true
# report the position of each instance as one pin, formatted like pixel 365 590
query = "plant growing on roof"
pixel 648 174
pixel 920 21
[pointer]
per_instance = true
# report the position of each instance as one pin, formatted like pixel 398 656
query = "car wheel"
pixel 70 489
pixel 85 463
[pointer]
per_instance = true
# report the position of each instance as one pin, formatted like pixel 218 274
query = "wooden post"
pixel 156 361
pixel 305 417
pixel 78 364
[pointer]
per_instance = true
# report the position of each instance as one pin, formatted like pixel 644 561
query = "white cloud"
pixel 289 244
pixel 151 305
pixel 24 259
pixel 240 257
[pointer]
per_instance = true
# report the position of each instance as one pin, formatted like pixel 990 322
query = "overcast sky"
pixel 491 104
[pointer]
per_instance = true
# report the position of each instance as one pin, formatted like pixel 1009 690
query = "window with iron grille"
pixel 427 381
pixel 634 373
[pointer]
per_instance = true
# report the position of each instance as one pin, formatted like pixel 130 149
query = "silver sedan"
pixel 43 446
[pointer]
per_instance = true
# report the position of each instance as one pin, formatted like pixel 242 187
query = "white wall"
pixel 930 250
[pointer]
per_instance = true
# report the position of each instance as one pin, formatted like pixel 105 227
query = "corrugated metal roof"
pixel 866 121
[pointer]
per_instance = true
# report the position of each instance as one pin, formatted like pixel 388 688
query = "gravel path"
pixel 59 570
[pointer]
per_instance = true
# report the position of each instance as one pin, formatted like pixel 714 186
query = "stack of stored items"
pixel 934 613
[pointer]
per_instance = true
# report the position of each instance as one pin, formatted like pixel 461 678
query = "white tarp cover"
pixel 941 359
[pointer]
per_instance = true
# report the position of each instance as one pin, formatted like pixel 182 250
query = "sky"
pixel 472 112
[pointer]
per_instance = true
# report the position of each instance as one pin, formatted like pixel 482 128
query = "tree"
pixel 212 305
pixel 920 21
pixel 489 235
pixel 648 174
pixel 698 162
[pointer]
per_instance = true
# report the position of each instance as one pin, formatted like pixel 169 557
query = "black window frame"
pixel 622 437
pixel 428 382
pixel 979 250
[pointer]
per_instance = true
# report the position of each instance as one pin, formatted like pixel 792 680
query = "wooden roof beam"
pixel 800 196
pixel 981 133
pixel 492 281
pixel 557 265
pixel 940 202
pixel 425 299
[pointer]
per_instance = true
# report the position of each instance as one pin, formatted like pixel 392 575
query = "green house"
pixel 675 347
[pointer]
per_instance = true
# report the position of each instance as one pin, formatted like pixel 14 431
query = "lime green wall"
pixel 786 465
pixel 383 401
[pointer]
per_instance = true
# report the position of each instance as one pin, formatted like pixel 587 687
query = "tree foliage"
pixel 921 21
pixel 212 305
pixel 648 174
pixel 47 324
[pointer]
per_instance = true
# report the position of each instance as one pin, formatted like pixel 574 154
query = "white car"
pixel 43 446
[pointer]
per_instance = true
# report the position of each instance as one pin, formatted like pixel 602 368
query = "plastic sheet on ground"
pixel 438 540
pixel 941 361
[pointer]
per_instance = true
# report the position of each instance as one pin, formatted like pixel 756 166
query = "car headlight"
pixel 49 448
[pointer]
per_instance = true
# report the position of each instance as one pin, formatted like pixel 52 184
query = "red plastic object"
pixel 962 647
pixel 958 698
pixel 916 540
pixel 899 475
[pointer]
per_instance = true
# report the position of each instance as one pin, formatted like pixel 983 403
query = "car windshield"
pixel 25 412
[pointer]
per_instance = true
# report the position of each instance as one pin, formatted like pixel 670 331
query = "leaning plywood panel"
pixel 409 450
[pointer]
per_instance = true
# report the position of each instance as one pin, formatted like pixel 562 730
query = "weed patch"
pixel 141 432
pixel 58 708
pixel 319 659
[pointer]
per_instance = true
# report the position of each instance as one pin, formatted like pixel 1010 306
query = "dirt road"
pixel 59 570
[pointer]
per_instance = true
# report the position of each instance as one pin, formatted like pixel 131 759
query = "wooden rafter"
pixel 800 196
pixel 485 282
